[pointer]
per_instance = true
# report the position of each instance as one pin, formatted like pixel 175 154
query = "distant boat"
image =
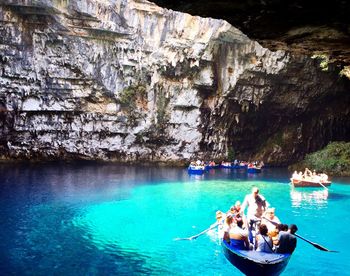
pixel 212 166
pixel 240 166
pixel 228 165
pixel 252 262
pixel 253 169
pixel 194 169
pixel 309 183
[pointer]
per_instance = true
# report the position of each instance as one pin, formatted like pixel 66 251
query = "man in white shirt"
pixel 257 205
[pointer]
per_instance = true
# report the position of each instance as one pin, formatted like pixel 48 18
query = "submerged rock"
pixel 128 80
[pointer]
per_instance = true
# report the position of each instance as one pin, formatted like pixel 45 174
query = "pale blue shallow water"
pixel 106 219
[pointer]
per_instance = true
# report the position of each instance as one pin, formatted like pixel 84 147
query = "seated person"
pixel 239 237
pixel 220 220
pixel 235 210
pixel 295 175
pixel 287 242
pixel 270 219
pixel 263 242
pixel 228 225
pixel 274 234
pixel 324 177
pixel 307 173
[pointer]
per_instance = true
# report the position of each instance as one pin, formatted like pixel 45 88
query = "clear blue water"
pixel 103 219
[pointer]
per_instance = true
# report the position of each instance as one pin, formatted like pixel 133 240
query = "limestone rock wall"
pixel 127 80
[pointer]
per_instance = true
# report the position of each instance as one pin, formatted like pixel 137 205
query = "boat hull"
pixel 196 171
pixel 256 263
pixel 208 167
pixel 233 167
pixel 254 170
pixel 304 183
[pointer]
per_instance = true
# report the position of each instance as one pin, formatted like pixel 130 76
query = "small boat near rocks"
pixel 254 169
pixel 195 169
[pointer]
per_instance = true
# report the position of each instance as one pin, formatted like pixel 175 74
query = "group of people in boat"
pixel 234 163
pixel 200 163
pixel 310 176
pixel 259 230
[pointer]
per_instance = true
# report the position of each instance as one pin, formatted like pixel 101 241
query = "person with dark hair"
pixel 287 242
pixel 263 241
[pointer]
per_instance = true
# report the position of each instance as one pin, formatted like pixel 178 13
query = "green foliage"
pixel 127 99
pixel 128 96
pixel 333 159
pixel 230 154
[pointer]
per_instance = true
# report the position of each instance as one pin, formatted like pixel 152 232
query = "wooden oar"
pixel 196 236
pixel 315 244
pixel 323 185
pixel 300 237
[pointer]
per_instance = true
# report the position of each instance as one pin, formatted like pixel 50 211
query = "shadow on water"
pixel 338 196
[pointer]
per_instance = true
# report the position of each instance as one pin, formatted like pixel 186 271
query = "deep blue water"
pixel 104 219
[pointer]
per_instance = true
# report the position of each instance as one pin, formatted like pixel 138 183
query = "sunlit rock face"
pixel 130 81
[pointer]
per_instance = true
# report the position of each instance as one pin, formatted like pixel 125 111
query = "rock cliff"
pixel 130 81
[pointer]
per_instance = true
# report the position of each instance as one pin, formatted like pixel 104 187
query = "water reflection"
pixel 196 177
pixel 311 197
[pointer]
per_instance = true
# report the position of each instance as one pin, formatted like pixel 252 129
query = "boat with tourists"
pixel 234 165
pixel 247 243
pixel 226 165
pixel 309 179
pixel 212 165
pixel 309 183
pixel 196 169
pixel 252 262
pixel 253 168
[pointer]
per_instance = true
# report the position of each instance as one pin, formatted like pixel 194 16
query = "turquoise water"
pixel 102 219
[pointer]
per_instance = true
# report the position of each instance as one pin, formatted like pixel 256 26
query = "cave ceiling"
pixel 304 26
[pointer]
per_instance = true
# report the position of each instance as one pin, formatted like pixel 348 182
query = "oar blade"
pixel 320 247
pixel 183 239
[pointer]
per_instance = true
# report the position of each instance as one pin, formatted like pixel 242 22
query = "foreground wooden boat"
pixel 256 263
pixel 309 183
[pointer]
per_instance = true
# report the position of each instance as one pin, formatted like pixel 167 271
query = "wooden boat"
pixel 196 169
pixel 309 183
pixel 256 263
pixel 254 169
